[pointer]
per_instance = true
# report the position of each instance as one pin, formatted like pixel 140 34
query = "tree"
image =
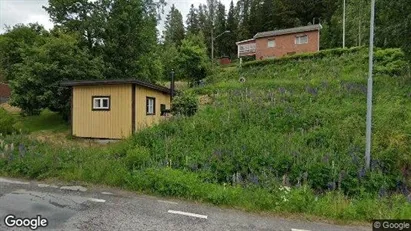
pixel 193 60
pixel 174 27
pixel 193 26
pixel 35 81
pixel 393 24
pixel 220 27
pixel 123 32
pixel 85 18
pixel 129 41
pixel 169 60
pixel 232 23
pixel 13 42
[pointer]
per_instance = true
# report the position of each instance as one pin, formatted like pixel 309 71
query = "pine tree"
pixel 232 23
pixel 193 26
pixel 220 43
pixel 174 27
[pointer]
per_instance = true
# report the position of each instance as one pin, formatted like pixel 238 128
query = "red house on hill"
pixel 277 43
pixel 5 92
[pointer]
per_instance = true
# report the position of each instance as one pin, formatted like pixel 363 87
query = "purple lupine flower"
pixel 312 91
pixel 375 164
pixel 11 157
pixel 253 178
pixel 282 90
pixel 218 153
pixel 22 150
pixel 331 186
pixel 382 192
pixel 355 159
pixel 305 176
pixel 325 158
pixel 361 173
pixel 363 89
pixel 194 167
pixel 295 154
pixel 324 84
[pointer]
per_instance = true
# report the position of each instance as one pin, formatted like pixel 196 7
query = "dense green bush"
pixel 390 61
pixel 185 104
pixel 7 121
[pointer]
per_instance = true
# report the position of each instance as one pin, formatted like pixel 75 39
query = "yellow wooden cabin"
pixel 115 109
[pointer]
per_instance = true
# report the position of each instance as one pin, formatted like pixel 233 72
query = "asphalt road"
pixel 79 208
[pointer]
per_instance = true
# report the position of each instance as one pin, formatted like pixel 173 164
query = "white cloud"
pixel 13 12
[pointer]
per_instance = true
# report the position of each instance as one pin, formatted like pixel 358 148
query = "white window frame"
pixel 299 39
pixel 271 43
pixel 150 107
pixel 98 102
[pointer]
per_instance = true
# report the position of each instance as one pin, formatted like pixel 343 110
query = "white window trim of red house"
pixel 298 39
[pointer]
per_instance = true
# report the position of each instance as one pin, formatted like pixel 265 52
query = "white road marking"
pixel 74 188
pixel 168 202
pixel 43 185
pixel 299 230
pixel 2 180
pixel 97 200
pixel 188 214
pixel 107 193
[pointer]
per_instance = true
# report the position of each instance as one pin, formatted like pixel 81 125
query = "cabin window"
pixel 150 106
pixel 303 39
pixel 271 43
pixel 163 109
pixel 101 103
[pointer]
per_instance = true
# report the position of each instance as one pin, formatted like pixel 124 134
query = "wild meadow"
pixel 290 139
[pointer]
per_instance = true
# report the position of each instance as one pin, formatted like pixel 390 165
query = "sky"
pixel 13 12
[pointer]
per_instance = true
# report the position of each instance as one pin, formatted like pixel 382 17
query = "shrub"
pixel 390 61
pixel 6 122
pixel 185 104
pixel 305 56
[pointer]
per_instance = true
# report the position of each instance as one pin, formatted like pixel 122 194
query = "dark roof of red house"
pixel 5 90
pixel 116 81
pixel 288 31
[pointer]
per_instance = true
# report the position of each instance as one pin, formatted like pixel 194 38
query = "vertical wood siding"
pixel 142 119
pixel 113 124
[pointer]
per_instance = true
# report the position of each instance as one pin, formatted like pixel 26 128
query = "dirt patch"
pixel 63 139
pixel 205 99
pixel 10 108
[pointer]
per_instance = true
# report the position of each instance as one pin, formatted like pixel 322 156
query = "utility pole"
pixel 212 45
pixel 172 86
pixel 344 24
pixel 369 89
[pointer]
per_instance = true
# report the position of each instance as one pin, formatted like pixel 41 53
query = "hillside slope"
pixel 299 121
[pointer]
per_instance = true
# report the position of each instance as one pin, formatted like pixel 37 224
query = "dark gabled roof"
pixel 116 82
pixel 288 31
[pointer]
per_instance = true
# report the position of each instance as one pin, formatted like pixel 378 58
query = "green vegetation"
pixel 6 122
pixel 185 104
pixel 290 139
pixel 45 121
